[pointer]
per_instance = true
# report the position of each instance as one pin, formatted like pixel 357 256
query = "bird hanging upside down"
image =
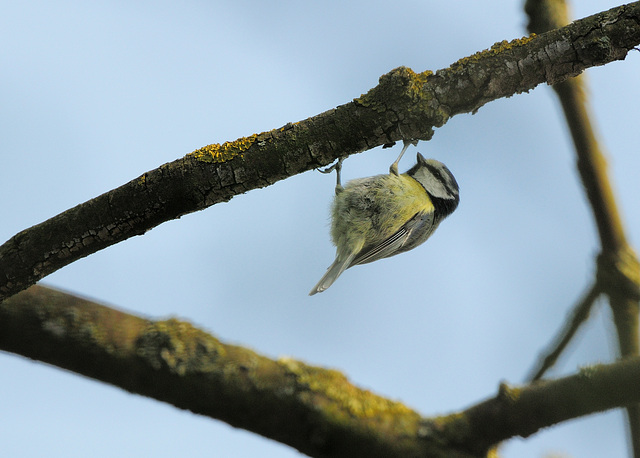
pixel 383 215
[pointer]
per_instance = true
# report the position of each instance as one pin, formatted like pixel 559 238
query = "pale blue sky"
pixel 92 94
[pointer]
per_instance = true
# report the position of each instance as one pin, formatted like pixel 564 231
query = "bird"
pixel 384 215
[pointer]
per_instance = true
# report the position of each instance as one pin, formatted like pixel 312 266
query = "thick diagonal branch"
pixel 404 101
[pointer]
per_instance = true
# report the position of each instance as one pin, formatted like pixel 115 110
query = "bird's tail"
pixel 333 272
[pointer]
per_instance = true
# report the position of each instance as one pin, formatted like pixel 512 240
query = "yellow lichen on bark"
pixel 495 49
pixel 225 152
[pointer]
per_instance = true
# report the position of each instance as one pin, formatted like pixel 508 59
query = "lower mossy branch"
pixel 317 411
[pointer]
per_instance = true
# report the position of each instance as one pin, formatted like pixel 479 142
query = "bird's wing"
pixel 383 249
pixel 411 234
pixel 422 226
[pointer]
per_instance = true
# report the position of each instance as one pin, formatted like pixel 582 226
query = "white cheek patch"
pixel 435 187
pixel 437 180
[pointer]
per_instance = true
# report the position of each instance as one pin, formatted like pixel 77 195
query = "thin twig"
pixel 578 315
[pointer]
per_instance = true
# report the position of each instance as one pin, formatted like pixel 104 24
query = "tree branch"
pixel 403 102
pixel 618 272
pixel 576 318
pixel 315 410
pixel 525 410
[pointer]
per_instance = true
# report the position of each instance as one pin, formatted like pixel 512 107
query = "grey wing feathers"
pixel 422 226
pixel 411 234
pixel 386 248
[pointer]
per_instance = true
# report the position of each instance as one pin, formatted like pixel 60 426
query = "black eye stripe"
pixel 436 173
pixel 447 180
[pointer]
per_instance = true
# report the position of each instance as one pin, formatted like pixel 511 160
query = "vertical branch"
pixel 592 165
pixel 618 267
